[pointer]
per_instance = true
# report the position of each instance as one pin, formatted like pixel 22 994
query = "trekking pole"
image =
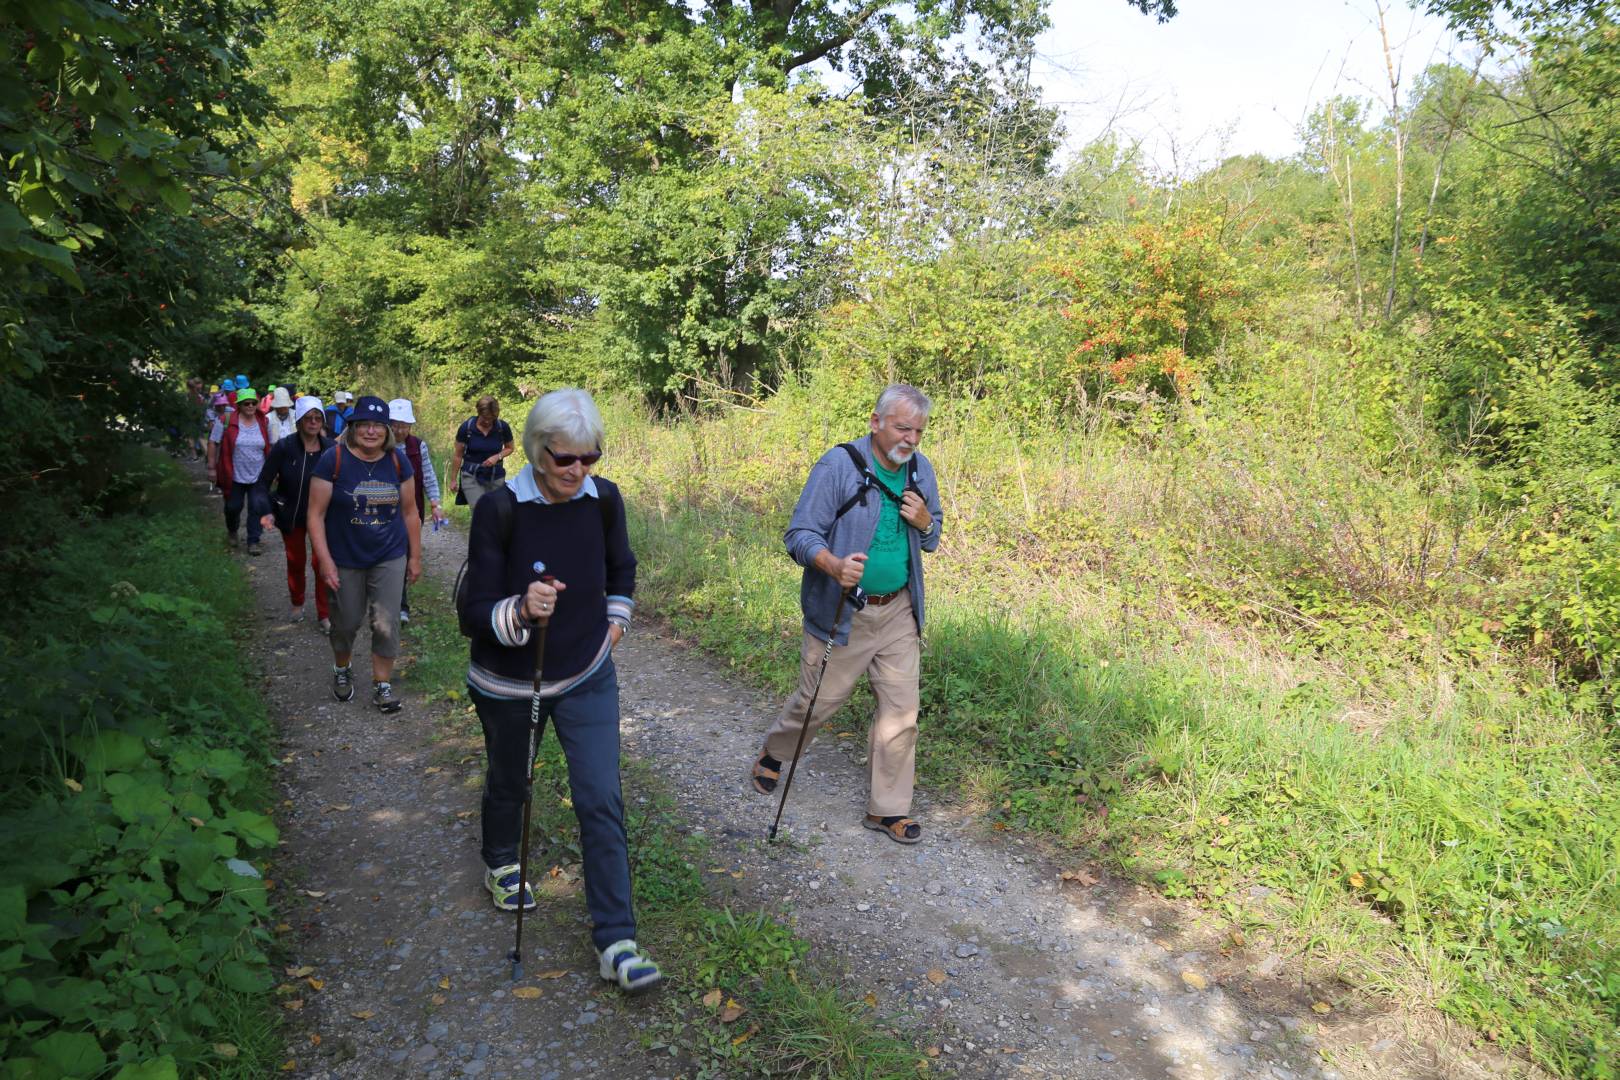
pixel 528 794
pixel 809 712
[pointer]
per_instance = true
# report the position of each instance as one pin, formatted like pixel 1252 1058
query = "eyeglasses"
pixel 566 460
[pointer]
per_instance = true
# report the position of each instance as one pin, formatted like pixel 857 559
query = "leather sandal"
pixel 900 829
pixel 763 777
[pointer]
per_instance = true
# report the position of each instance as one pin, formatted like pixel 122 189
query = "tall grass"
pixel 1245 643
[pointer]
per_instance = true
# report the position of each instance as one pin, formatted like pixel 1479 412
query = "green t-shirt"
pixel 888 563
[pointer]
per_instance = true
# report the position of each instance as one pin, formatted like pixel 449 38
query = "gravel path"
pixel 973 940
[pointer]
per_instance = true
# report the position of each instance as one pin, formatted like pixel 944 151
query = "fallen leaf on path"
pixel 316 893
pixel 300 972
pixel 338 807
pixel 870 999
pixel 1321 1008
pixel 1195 980
pixel 226 1050
pixel 293 1005
pixel 363 1014
pixel 745 1036
pixel 465 813
pixel 932 1051
pixel 713 998
pixel 527 993
pixel 1238 940
pixel 73 785
pixel 316 984
pixel 936 976
pixel 282 928
pixel 289 1065
pixel 431 769
pixel 554 973
pixel 731 1011
pixel 1357 881
pixel 444 983
pixel 438 999
pixel 314 1038
pixel 1084 878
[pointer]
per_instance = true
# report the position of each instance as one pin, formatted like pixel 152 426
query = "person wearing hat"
pixel 220 407
pixel 282 423
pixel 368 542
pixel 290 468
pixel 401 417
pixel 239 470
pixel 335 418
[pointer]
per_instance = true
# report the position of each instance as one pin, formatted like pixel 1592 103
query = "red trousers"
pixel 294 542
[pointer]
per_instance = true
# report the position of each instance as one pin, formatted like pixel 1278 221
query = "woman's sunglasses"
pixel 565 460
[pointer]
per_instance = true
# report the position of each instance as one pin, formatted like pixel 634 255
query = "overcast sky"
pixel 1222 77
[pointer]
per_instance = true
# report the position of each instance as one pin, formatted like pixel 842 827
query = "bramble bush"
pixel 133 929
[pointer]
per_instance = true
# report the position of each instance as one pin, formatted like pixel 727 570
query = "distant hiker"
pixel 290 468
pixel 400 417
pixel 334 414
pixel 281 419
pixel 368 540
pixel 553 544
pixel 221 406
pixel 239 468
pixel 482 443
pixel 867 513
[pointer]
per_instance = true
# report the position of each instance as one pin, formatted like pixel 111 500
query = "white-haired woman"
pixel 552 545
pixel 368 539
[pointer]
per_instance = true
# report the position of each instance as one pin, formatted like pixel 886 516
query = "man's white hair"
pixel 568 415
pixel 901 395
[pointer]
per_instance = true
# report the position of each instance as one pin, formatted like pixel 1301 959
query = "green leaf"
pixel 175 197
pixel 13 913
pixel 76 1053
pixel 256 829
pixel 162 1068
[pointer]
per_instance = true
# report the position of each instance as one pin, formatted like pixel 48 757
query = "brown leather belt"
pixel 879 601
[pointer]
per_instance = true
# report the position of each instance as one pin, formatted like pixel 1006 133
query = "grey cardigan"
pixel 832 481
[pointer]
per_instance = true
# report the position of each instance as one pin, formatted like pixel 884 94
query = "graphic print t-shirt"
pixel 365 524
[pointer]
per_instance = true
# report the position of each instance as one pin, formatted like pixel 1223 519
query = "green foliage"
pixel 131 901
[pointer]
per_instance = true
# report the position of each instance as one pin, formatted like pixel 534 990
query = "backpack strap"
pixel 337 463
pixel 869 480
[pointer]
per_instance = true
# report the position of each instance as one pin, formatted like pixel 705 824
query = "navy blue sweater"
pixel 585 545
pixel 288 470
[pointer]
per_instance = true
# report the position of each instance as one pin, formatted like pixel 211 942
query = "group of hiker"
pixel 547 595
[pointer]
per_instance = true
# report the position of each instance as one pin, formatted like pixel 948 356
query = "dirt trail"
pixel 971 936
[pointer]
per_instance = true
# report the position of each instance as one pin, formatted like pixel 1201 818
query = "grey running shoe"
pixel 343 684
pixel 325 626
pixel 297 614
pixel 382 696
pixel 404 616
pixel 254 549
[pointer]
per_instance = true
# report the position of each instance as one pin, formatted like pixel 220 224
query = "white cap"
pixel 400 409
pixel 341 396
pixel 280 399
pixel 303 405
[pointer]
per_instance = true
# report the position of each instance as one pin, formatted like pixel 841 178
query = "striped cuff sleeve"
pixel 619 609
pixel 510 629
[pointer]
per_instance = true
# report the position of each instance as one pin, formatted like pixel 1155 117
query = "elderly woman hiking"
pixel 290 469
pixel 239 469
pixel 483 442
pixel 553 546
pixel 368 542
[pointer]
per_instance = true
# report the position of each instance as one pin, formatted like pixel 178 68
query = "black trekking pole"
pixel 528 794
pixel 809 712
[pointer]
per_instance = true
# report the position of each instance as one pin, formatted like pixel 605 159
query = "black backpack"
pixel 869 481
pixel 504 509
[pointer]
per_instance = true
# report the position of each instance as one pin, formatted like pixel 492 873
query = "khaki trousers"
pixel 883 643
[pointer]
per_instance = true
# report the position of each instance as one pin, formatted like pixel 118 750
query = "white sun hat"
pixel 304 404
pixel 400 409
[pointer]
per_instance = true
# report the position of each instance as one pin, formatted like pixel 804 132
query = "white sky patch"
pixel 1223 77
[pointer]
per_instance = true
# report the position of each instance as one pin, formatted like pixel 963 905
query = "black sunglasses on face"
pixel 565 460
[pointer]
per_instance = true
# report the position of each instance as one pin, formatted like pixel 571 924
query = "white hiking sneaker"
pixel 624 964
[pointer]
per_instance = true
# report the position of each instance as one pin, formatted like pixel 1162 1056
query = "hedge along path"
pixel 1000 959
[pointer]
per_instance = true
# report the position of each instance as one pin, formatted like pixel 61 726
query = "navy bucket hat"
pixel 370 408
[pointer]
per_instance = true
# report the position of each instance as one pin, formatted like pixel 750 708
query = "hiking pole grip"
pixel 809 712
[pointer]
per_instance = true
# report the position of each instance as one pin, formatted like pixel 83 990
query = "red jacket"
pixel 413 453
pixel 224 467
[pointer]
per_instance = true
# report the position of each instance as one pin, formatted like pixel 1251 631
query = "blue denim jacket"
pixel 832 481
